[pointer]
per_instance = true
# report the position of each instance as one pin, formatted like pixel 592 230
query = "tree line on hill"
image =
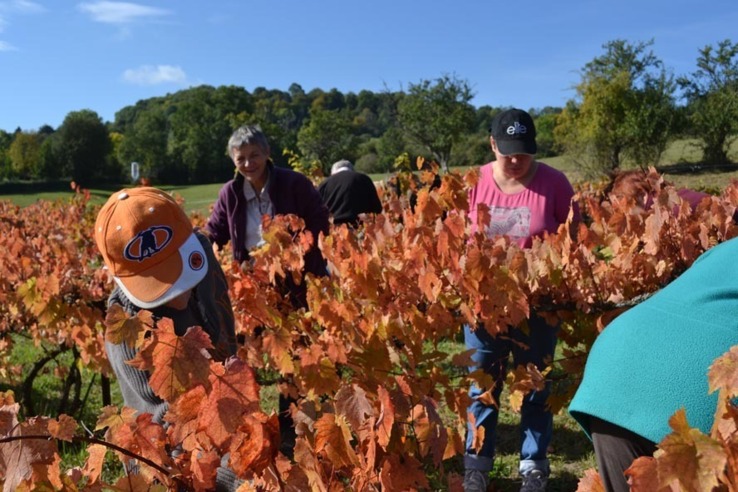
pixel 627 108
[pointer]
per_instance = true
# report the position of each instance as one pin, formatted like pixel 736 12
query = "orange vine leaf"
pixel 309 466
pixel 333 438
pixel 234 393
pixel 401 473
pixel 121 328
pixel 723 373
pixel 177 363
pixel 386 418
pixel 255 445
pixel 432 435
pixel 688 457
pixel 522 381
pixel 94 465
pixel 62 428
pixel 184 414
pixel 204 468
pixel 590 482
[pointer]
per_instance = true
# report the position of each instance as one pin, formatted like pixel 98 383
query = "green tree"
pixel 333 100
pixel 327 138
pixel 624 110
pixel 545 121
pixel 5 140
pixel 474 149
pixel 49 165
pixel 436 114
pixel 390 145
pixel 712 95
pixel 280 115
pixel 145 142
pixel 25 155
pixel 84 147
pixel 197 141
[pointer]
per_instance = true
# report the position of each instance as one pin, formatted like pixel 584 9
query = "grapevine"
pixel 363 357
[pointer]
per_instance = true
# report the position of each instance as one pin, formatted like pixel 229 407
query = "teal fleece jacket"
pixel 653 359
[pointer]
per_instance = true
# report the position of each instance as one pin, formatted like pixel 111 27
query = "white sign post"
pixel 134 171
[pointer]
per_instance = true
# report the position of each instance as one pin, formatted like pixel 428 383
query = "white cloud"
pixel 21 6
pixel 9 9
pixel 153 75
pixel 120 12
pixel 24 6
pixel 7 47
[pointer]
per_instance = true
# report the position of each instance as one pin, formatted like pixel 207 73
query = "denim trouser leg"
pixel 491 355
pixel 536 423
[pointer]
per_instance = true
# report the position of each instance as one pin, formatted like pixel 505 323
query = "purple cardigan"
pixel 290 193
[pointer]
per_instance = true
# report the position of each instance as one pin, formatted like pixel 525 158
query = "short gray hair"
pixel 342 164
pixel 248 135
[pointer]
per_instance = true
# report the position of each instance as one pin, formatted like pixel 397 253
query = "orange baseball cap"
pixel 148 244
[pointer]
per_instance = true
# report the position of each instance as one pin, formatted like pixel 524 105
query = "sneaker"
pixel 475 481
pixel 534 481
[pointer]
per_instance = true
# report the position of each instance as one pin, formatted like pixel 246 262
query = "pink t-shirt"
pixel 541 207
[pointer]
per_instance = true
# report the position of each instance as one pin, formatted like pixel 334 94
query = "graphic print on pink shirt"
pixel 511 222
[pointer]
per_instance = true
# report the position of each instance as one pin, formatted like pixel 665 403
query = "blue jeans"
pixel 536 422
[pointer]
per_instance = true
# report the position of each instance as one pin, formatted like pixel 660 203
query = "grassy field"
pixel 197 197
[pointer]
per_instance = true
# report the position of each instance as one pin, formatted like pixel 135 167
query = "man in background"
pixel 348 193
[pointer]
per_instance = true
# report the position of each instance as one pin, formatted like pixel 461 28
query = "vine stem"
pixel 94 440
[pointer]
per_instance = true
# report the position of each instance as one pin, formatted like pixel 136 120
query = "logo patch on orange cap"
pixel 196 260
pixel 147 243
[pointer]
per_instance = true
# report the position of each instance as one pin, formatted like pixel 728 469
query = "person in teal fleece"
pixel 653 360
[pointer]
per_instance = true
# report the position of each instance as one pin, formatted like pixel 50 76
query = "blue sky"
pixel 61 56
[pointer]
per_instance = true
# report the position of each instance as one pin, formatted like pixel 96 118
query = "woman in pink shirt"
pixel 526 198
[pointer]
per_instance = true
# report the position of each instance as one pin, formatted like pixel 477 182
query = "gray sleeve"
pixel 214 302
pixel 134 383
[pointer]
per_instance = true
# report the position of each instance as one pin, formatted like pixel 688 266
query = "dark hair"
pixel 629 184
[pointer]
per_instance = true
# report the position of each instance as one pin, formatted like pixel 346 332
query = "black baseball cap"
pixel 514 132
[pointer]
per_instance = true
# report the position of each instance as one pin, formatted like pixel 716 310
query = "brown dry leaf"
pixel 352 403
pixel 23 459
